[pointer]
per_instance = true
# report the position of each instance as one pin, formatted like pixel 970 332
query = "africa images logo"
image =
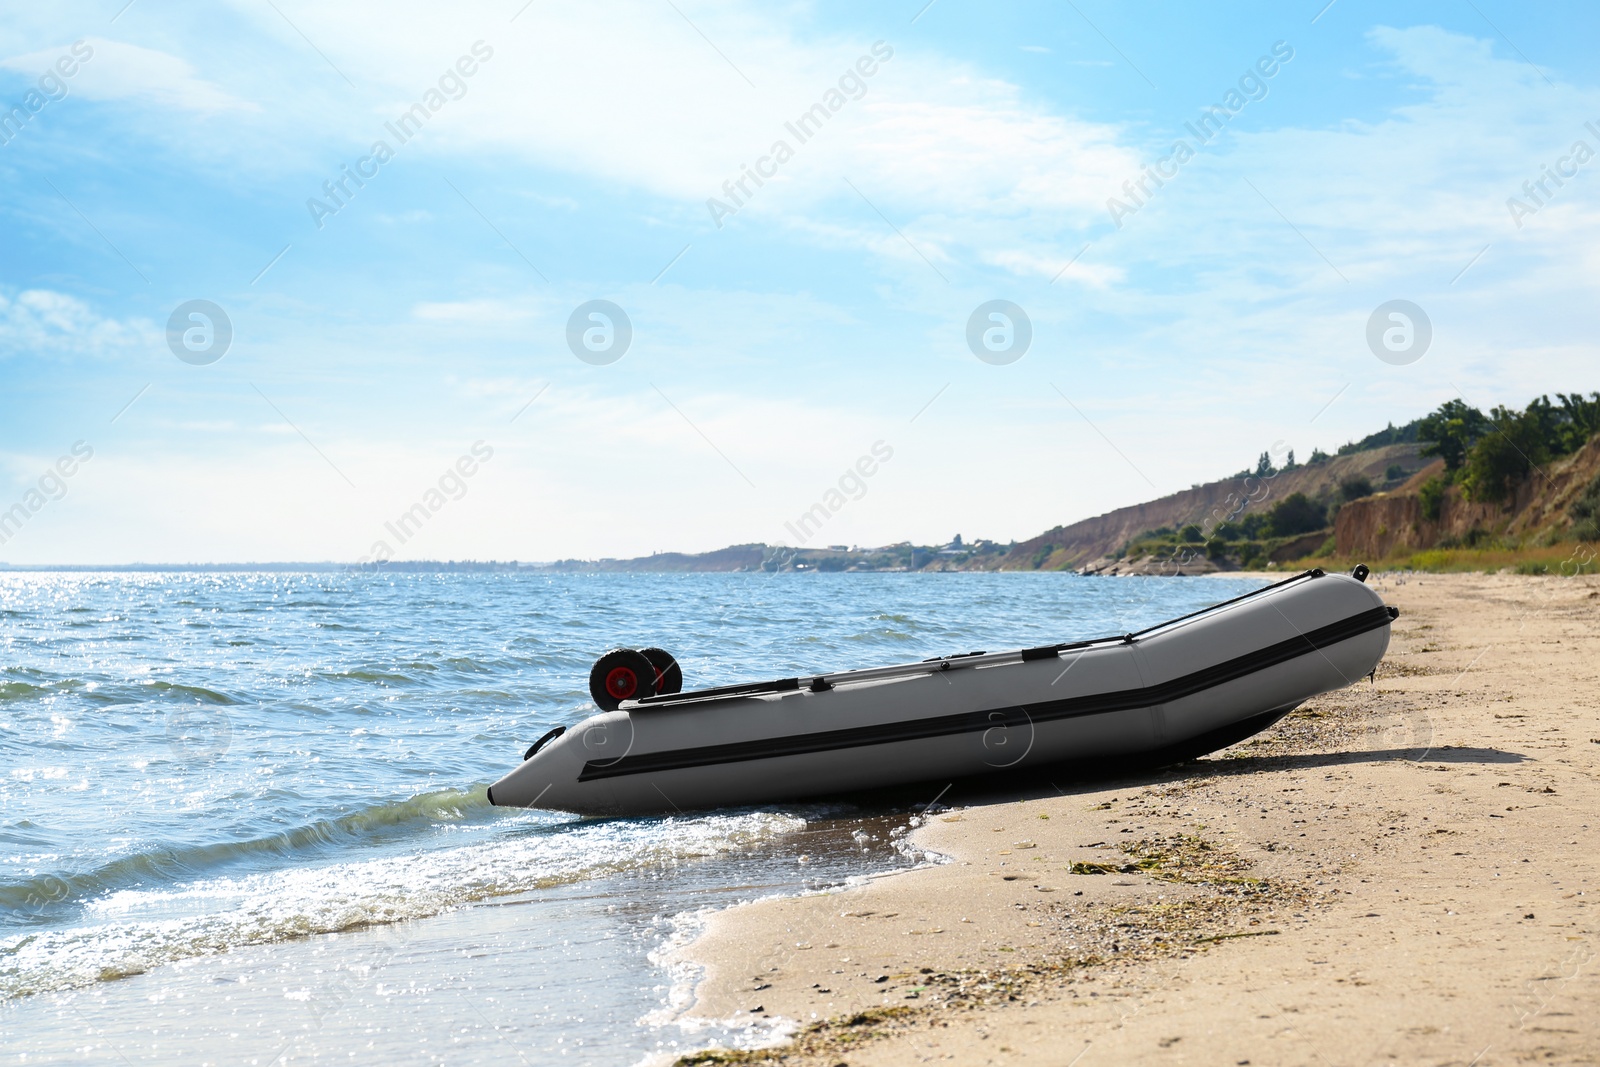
pixel 802 129
pixel 451 85
pixel 52 485
pixel 199 332
pixel 1251 86
pixel 51 86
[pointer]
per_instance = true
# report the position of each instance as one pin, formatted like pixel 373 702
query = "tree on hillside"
pixel 1264 467
pixel 1389 435
pixel 1296 514
pixel 1503 457
pixel 1451 432
pixel 1355 487
pixel 1579 420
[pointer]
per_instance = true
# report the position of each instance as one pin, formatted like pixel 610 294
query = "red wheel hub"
pixel 621 682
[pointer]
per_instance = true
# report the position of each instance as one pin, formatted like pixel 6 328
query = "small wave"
pixel 491 694
pixel 22 684
pixel 47 894
pixel 881 635
pixel 380 677
pixel 17 833
pixel 133 930
pixel 198 692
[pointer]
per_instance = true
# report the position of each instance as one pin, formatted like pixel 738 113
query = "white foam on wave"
pixel 133 930
pixel 675 956
pixel 684 975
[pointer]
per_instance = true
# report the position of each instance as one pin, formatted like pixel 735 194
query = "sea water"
pixel 242 815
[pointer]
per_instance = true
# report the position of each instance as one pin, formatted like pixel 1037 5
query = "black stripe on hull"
pixel 1017 715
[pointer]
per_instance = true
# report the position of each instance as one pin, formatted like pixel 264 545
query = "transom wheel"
pixel 669 676
pixel 632 674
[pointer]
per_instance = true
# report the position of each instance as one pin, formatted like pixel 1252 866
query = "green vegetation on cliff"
pixel 1490 503
pixel 1513 488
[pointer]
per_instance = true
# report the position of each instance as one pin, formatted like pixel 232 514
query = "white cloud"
pixel 483 312
pixel 119 71
pixel 658 109
pixel 45 322
pixel 989 154
pixel 1055 266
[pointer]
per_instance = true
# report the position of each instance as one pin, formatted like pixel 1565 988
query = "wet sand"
pixel 1403 871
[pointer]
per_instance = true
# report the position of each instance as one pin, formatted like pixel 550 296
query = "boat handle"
pixel 543 741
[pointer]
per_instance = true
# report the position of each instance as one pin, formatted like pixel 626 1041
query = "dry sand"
pixel 1401 872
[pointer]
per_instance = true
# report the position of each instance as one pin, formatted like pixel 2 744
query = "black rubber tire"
pixel 621 674
pixel 669 676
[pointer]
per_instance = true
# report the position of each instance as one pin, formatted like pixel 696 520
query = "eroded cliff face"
pixel 1081 543
pixel 1381 525
pixel 1392 523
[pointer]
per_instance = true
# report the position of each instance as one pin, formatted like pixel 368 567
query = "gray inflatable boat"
pixel 1166 694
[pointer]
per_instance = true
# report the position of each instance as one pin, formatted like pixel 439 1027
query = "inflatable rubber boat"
pixel 1163 695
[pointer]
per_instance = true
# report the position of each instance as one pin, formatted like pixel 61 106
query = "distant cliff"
pixel 1082 543
pixel 732 558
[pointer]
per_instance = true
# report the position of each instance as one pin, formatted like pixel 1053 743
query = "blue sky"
pixel 1171 343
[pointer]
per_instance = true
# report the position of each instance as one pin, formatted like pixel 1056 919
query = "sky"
pixel 275 274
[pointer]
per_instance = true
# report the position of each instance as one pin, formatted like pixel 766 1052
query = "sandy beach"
pixel 1400 872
